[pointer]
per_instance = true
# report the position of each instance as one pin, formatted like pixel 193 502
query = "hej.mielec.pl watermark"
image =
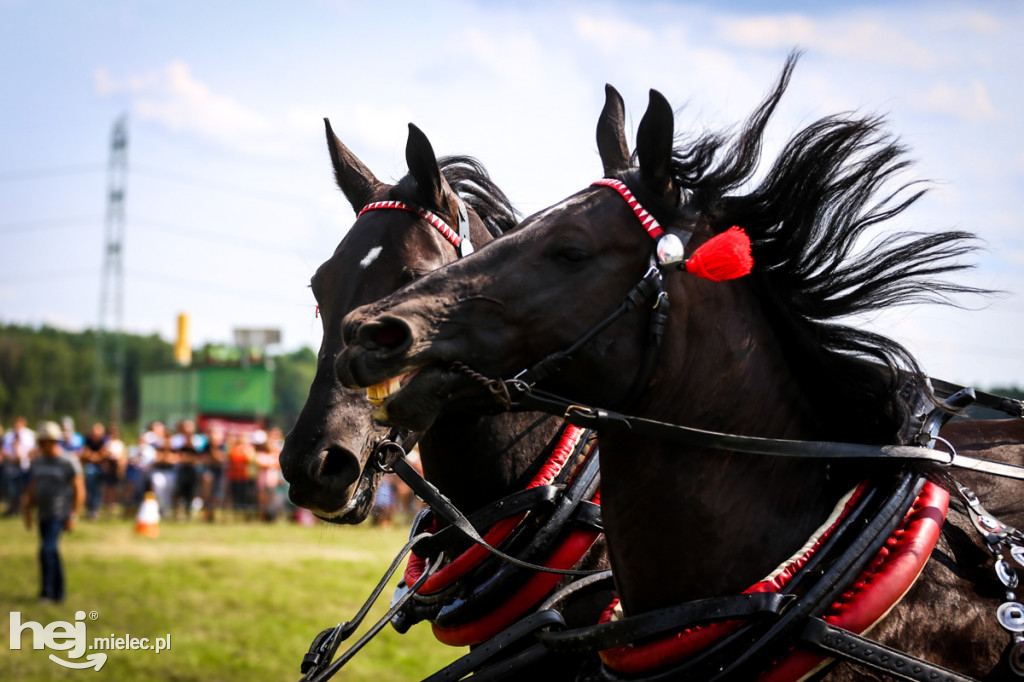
pixel 72 638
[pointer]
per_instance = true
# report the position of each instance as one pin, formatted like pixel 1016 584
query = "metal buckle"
pixel 952 452
pixel 517 382
pixel 386 454
pixel 320 651
pixel 581 410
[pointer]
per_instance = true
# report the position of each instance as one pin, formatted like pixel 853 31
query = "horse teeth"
pixel 377 393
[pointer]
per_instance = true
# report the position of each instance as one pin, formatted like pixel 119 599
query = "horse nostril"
pixel 332 472
pixel 389 334
pixel 335 469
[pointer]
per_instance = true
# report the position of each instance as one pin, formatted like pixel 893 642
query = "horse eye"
pixel 572 254
pixel 408 275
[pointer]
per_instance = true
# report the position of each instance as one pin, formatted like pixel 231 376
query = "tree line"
pixel 48 373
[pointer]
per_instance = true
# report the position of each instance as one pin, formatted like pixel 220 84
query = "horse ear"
pixel 654 144
pixel 423 167
pixel 611 133
pixel 356 180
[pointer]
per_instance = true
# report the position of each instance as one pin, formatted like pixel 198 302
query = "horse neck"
pixel 475 460
pixel 684 523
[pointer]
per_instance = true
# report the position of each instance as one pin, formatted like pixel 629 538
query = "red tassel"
pixel 724 256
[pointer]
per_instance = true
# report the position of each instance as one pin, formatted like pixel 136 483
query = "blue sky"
pixel 230 201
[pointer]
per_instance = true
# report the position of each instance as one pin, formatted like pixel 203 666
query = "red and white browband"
pixel 460 240
pixel 724 256
pixel 648 221
pixel 438 224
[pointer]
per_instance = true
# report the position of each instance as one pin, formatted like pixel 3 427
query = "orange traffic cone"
pixel 147 522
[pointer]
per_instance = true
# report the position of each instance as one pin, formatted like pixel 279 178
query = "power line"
pixel 38 173
pixel 167 227
pixel 209 287
pixel 47 224
pixel 248 192
pixel 48 276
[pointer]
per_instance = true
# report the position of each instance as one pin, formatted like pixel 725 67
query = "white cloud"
pixel 862 38
pixel 981 23
pixel 181 102
pixel 970 103
pixel 611 33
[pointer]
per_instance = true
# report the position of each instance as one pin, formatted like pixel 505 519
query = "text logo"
pixel 71 637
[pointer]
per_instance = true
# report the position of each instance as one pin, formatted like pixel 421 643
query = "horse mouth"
pixel 378 393
pixel 358 506
pixel 414 399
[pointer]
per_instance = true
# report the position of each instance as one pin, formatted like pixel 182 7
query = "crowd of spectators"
pixel 192 474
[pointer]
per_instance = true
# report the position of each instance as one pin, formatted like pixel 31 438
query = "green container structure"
pixel 233 394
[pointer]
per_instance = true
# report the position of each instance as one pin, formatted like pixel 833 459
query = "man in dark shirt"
pixel 56 489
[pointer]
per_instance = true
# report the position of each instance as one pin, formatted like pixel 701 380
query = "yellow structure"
pixel 183 344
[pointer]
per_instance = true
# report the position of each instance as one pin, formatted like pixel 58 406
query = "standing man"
pixel 56 488
pixel 17 449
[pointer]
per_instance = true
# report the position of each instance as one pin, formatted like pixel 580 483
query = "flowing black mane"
pixel 473 184
pixel 807 218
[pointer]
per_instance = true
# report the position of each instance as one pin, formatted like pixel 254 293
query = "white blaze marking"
pixel 371 256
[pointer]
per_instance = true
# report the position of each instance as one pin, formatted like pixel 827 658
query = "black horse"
pixel 325 455
pixel 766 355
pixel 402 232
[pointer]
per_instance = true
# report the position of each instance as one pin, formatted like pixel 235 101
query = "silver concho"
pixel 989 523
pixel 669 250
pixel 1011 616
pixel 1007 576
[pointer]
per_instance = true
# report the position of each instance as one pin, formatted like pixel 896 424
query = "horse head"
pixel 401 232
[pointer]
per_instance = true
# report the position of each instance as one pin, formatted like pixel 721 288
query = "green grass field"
pixel 239 601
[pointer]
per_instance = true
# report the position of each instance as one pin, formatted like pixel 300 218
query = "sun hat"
pixel 49 431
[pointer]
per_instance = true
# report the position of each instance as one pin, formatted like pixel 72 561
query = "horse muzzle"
pixel 323 482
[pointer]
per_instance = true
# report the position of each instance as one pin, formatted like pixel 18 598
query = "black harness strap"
pixel 1010 406
pixel 644 289
pixel 847 646
pixel 539 497
pixel 497 645
pixel 596 418
pixel 661 621
pixel 318 664
pixel 444 508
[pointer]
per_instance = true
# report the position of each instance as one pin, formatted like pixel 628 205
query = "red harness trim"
pixel 432 218
pixel 883 584
pixel 566 555
pixel 877 590
pixel 539 585
pixel 646 219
